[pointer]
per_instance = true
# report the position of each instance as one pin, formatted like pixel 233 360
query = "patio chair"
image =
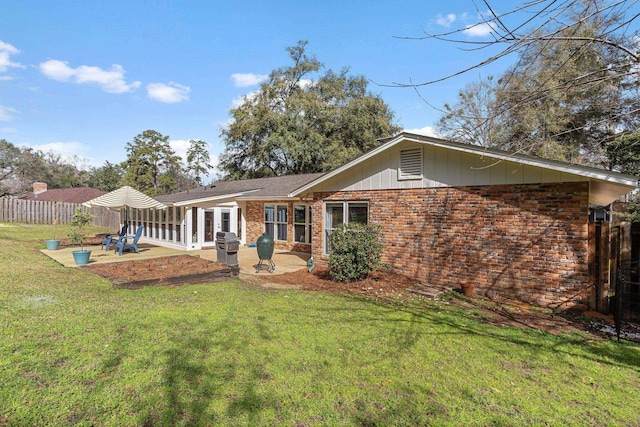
pixel 123 243
pixel 113 238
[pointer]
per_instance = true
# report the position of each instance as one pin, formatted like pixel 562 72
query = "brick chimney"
pixel 39 187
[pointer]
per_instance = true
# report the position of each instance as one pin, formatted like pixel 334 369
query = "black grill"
pixel 227 246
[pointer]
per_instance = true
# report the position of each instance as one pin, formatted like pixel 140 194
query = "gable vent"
pixel 410 164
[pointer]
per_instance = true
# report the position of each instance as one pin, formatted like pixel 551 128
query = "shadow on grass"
pixel 405 331
pixel 205 383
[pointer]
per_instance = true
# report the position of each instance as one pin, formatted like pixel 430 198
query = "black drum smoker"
pixel 265 252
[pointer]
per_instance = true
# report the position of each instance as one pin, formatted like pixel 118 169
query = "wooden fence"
pixel 40 212
pixel 625 266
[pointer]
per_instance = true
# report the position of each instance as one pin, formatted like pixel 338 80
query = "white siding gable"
pixel 440 167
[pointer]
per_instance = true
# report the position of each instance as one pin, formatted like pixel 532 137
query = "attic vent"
pixel 410 164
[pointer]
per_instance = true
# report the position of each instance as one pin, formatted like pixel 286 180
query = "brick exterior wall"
pixel 254 216
pixel 522 242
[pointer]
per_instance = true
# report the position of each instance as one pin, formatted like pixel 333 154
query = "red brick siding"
pixel 254 216
pixel 524 242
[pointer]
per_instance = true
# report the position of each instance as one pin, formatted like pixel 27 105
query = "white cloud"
pixel 169 93
pixel 6 113
pixel 248 79
pixel 6 50
pixel 427 131
pixel 67 150
pixel 446 20
pixel 180 146
pixel 71 151
pixel 248 97
pixel 479 30
pixel 111 81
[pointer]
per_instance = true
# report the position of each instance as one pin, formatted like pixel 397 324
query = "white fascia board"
pixel 267 198
pixel 209 199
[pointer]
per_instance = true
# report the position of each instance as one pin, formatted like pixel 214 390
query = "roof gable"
pixel 449 163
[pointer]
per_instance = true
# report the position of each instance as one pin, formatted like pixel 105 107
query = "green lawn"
pixel 74 351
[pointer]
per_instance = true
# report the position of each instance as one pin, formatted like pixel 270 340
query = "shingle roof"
pixel 263 188
pixel 68 195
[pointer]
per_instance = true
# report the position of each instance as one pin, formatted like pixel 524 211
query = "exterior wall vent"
pixel 410 164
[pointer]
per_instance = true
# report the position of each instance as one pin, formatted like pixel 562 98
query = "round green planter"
pixel 52 244
pixel 81 257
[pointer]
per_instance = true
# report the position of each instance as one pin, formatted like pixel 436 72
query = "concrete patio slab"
pixel 247 257
pixel 285 261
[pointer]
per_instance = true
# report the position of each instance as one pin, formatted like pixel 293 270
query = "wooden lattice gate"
pixel 600 241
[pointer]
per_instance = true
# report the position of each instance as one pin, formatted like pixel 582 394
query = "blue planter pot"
pixel 52 244
pixel 81 257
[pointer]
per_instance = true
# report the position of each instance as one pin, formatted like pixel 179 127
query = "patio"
pixel 247 257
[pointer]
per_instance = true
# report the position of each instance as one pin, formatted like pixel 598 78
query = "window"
pixel 302 223
pixel 343 213
pixel 269 220
pixel 275 221
pixel 282 223
pixel 358 212
pixel 226 220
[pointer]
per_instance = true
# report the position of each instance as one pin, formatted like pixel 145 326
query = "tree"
pixel 151 164
pixel 472 119
pixel 20 168
pixel 297 124
pixel 569 92
pixel 9 154
pixel 623 153
pixel 548 21
pixel 198 160
pixel 64 173
pixel 107 177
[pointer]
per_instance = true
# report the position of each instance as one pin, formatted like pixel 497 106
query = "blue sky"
pixel 85 77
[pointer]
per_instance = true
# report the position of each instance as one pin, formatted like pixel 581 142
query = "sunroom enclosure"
pixel 187 227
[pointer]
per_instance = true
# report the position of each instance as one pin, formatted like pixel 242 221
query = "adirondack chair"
pixel 113 238
pixel 123 244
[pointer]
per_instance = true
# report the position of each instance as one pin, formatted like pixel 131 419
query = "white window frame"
pixel 275 221
pixel 345 217
pixel 307 224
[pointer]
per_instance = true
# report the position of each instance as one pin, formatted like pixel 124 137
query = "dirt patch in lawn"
pixel 383 286
pixel 89 241
pixel 171 270
pixel 379 284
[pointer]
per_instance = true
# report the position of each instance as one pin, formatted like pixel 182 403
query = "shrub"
pixel 355 251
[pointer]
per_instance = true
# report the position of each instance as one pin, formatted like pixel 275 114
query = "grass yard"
pixel 74 351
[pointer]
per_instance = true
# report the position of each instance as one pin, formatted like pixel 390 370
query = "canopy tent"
pixel 125 197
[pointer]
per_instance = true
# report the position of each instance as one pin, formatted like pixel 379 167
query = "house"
pixel 247 208
pixel 65 195
pixel 515 225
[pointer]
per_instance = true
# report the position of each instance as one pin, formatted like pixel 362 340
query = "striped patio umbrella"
pixel 125 197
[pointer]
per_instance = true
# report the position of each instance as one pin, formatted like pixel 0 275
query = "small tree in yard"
pixel 356 251
pixel 80 221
